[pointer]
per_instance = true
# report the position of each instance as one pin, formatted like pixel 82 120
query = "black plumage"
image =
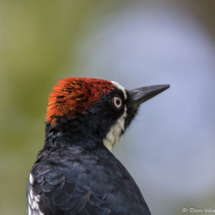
pixel 73 180
pixel 75 173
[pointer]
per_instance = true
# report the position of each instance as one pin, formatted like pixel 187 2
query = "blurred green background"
pixel 43 41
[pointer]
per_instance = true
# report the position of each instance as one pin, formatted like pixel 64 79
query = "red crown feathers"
pixel 72 96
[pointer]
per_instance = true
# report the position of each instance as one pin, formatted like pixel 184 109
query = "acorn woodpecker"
pixel 75 173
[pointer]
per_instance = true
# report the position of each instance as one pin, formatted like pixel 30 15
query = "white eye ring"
pixel 117 101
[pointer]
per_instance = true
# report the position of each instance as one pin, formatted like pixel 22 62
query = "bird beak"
pixel 142 94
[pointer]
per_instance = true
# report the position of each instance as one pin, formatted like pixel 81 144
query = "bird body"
pixel 76 173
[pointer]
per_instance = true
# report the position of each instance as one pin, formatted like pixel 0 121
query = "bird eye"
pixel 117 102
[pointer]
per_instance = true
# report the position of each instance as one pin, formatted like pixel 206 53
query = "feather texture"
pixel 83 184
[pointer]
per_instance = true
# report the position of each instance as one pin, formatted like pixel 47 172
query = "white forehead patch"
pixel 120 87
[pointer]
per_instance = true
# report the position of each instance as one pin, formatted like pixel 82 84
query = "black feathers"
pixel 92 185
pixel 75 174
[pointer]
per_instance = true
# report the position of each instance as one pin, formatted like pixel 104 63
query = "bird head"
pixel 94 110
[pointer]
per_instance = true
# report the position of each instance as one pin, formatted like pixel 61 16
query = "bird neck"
pixel 71 134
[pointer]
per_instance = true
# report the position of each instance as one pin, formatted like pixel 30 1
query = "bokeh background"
pixel 170 147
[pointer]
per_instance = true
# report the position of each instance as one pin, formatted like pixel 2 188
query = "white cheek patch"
pixel 114 134
pixel 33 206
pixel 120 87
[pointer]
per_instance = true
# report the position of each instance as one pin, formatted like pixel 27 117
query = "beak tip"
pixel 157 89
pixel 143 94
pixel 165 86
